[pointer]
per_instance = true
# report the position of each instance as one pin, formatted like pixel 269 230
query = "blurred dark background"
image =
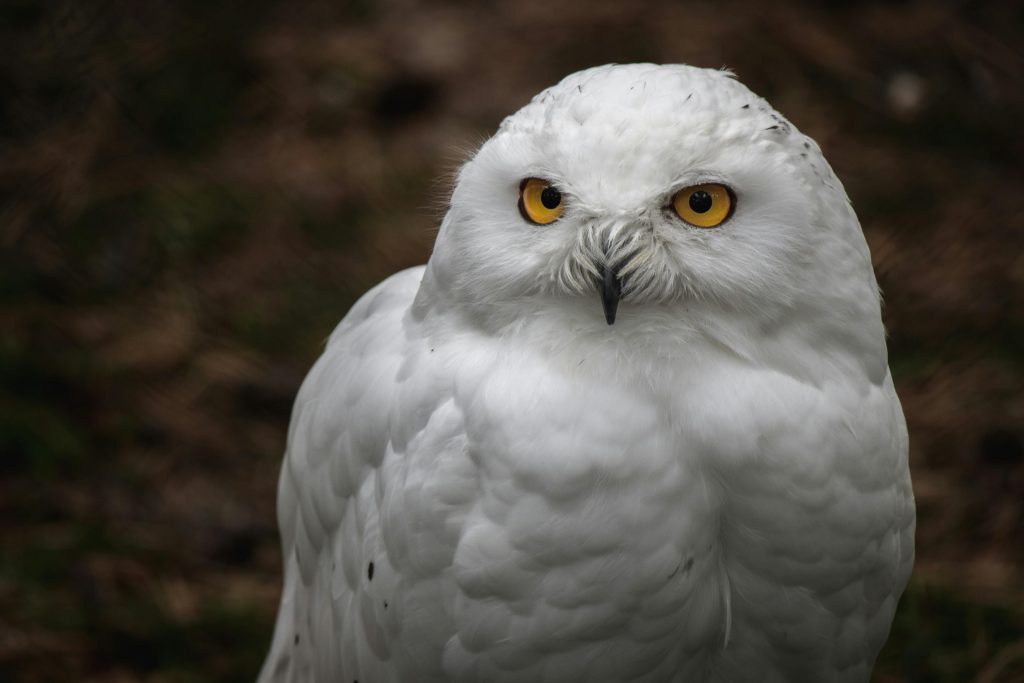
pixel 193 193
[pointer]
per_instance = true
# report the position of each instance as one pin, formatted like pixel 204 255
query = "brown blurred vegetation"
pixel 193 193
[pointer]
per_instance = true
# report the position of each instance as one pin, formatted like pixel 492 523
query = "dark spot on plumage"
pixel 772 128
pixel 745 106
pixel 689 96
pixel 803 155
pixel 296 638
pixel 369 572
pixel 807 145
pixel 579 88
pixel 385 604
pixel 687 567
pixel 779 124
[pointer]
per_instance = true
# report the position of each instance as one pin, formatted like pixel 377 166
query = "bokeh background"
pixel 193 193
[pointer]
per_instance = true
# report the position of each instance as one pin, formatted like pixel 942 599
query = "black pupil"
pixel 550 197
pixel 700 201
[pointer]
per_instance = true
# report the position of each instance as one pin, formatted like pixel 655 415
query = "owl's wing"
pixel 335 620
pixel 818 527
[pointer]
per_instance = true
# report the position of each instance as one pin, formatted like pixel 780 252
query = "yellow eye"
pixel 703 206
pixel 540 202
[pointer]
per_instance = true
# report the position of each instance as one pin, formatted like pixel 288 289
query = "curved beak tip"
pixel 609 310
pixel 611 291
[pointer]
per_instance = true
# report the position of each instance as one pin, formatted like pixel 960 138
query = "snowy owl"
pixel 633 421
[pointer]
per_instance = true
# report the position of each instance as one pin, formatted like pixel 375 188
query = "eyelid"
pixel 694 180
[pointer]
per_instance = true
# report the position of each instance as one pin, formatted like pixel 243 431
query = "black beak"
pixel 611 290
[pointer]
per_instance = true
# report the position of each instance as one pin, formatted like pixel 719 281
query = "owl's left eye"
pixel 704 206
pixel 540 202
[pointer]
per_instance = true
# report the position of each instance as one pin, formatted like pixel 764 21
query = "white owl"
pixel 488 481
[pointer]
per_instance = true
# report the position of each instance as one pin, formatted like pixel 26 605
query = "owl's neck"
pixel 815 344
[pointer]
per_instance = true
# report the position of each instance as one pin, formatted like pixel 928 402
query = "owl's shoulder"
pixel 374 441
pixel 343 424
pixel 817 516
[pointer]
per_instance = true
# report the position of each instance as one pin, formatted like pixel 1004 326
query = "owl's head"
pixel 640 190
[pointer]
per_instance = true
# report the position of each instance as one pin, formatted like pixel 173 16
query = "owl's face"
pixel 639 188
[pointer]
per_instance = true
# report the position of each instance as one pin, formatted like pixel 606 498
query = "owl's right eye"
pixel 540 202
